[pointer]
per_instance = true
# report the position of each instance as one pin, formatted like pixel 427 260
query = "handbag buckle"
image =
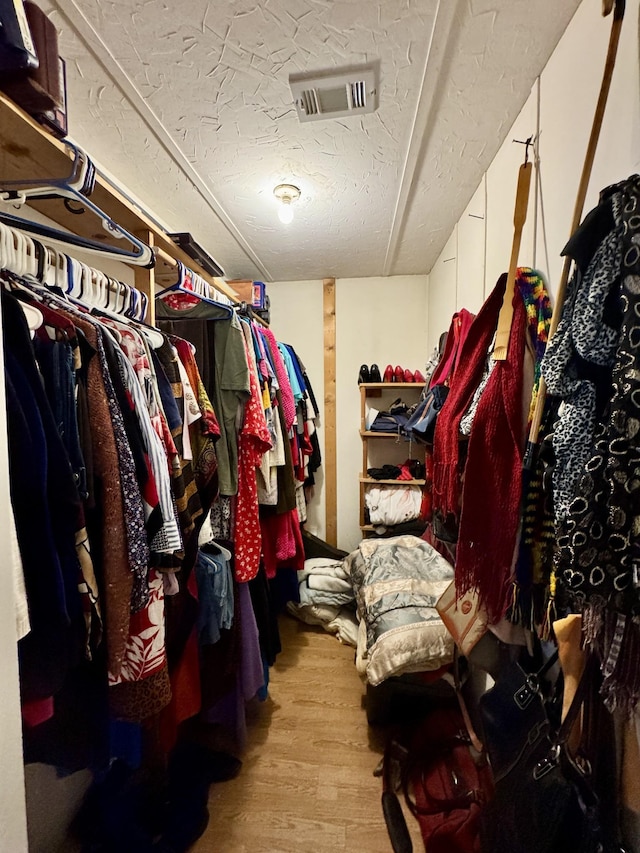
pixel 525 694
pixel 547 764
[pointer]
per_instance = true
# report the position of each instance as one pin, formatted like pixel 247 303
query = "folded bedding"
pixel 381 599
pixel 396 583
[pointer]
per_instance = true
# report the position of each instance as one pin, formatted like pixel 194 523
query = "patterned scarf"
pixel 598 558
pixel 538 309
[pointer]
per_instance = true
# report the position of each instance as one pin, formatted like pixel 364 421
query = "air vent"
pixel 335 94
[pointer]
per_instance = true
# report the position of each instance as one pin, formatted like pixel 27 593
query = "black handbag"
pixel 422 423
pixel 544 800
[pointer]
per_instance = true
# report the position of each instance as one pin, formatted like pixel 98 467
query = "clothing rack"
pixel 39 155
pixel 24 256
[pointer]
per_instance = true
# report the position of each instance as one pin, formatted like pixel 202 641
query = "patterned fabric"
pixel 117 577
pixel 396 583
pixel 222 518
pixel 253 442
pixel 538 309
pixel 598 553
pixel 288 403
pixel 583 346
pixel 145 652
pixel 133 510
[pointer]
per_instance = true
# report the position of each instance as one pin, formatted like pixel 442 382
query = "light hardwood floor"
pixel 307 784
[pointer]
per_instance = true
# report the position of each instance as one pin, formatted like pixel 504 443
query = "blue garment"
pixel 296 366
pixel 171 411
pixel 215 592
pixel 298 392
pixel 55 360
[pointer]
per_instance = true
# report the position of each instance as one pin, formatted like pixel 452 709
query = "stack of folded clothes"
pixel 412 469
pixel 327 599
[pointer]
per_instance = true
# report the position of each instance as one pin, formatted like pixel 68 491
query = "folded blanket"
pixel 396 583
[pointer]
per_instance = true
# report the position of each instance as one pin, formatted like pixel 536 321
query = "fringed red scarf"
pixel 492 480
pixel 446 471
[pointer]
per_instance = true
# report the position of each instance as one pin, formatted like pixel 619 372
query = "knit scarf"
pixel 598 558
pixel 465 380
pixel 538 310
pixel 492 480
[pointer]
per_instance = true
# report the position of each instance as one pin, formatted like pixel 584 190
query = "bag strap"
pixel 473 737
pixel 577 702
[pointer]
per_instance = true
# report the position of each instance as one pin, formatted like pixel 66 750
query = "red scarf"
pixel 465 380
pixel 491 494
pixel 456 336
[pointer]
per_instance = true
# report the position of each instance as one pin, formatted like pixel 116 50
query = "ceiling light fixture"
pixel 286 195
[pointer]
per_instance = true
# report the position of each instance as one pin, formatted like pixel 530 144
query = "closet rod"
pixel 166 265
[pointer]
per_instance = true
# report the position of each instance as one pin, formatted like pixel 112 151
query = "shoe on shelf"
pixel 408 376
pixel 364 375
pixel 374 373
pixel 418 377
pixel 388 374
pixel 398 374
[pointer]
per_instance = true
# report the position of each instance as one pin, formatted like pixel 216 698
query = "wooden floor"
pixel 307 783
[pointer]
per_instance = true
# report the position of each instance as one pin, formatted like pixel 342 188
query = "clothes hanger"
pixel 196 287
pixel 76 187
pixel 505 318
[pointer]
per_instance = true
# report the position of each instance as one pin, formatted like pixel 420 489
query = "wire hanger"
pixel 194 286
pixel 76 187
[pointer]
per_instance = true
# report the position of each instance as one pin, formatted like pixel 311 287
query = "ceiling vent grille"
pixel 335 94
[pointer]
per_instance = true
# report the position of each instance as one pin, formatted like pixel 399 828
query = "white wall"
pixel 378 320
pixel 296 319
pixel 560 109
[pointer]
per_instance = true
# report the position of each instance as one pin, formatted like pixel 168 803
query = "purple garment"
pixel 230 710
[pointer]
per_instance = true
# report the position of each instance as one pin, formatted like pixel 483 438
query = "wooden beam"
pixel 330 460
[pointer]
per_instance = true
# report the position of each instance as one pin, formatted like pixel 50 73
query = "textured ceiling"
pixel 188 106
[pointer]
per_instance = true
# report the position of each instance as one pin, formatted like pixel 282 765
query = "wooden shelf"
pixel 27 151
pixel 393 482
pixel 378 386
pixel 370 434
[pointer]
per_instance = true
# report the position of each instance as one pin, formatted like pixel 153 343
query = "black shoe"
pixel 374 374
pixel 364 376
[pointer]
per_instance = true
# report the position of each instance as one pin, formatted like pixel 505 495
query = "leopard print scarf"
pixel 598 557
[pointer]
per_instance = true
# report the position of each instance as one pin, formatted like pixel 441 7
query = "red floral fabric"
pixel 253 442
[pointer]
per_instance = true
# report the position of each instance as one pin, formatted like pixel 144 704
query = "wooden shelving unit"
pixel 27 151
pixel 376 390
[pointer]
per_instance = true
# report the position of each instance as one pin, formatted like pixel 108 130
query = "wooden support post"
pixel 145 279
pixel 330 466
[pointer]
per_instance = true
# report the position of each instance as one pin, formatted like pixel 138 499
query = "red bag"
pixel 445 785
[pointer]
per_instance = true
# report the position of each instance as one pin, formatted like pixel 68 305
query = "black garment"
pixel 266 614
pixel 47 511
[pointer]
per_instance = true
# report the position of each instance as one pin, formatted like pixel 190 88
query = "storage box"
pixel 39 90
pixel 251 292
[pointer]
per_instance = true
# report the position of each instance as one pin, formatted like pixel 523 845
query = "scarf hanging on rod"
pixel 598 554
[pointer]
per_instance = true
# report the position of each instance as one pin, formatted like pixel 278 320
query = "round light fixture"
pixel 286 195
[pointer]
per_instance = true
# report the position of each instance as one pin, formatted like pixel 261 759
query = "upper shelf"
pixel 28 151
